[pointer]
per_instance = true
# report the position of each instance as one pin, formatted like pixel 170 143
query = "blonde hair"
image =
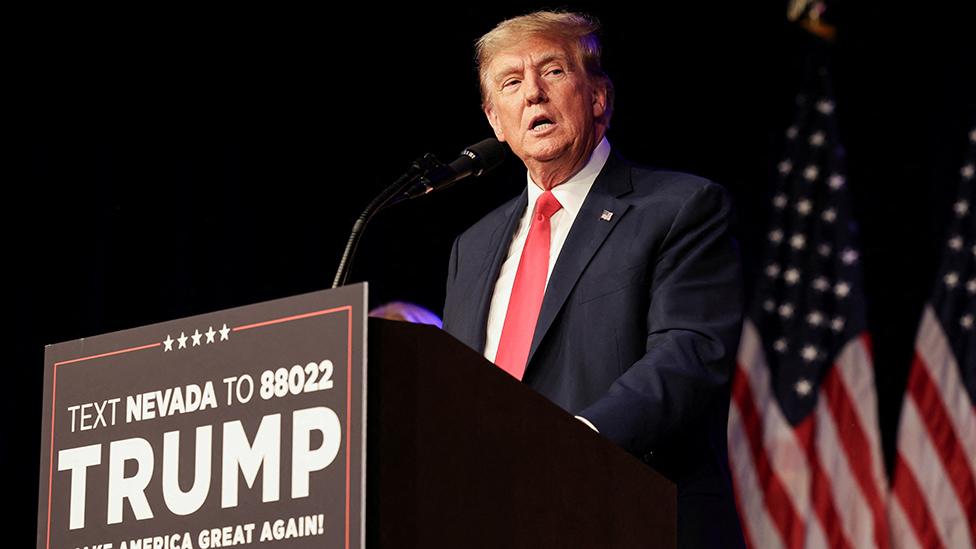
pixel 578 30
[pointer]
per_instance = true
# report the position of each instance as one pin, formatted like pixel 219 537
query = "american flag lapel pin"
pixel 606 215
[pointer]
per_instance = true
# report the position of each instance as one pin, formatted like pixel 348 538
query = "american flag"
pixel 804 441
pixel 933 502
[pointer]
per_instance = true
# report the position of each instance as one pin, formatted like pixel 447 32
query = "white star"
pixel 836 181
pixel 837 324
pixel 967 171
pixel 829 215
pixel 791 132
pixel 951 279
pixel 798 242
pixel 776 236
pixel 955 243
pixel 971 286
pixel 780 345
pixel 849 256
pixel 224 333
pixel 182 339
pixel 210 335
pixel 786 310
pixel 961 208
pixel 780 201
pixel 803 387
pixel 815 318
pixel 791 276
pixel 804 206
pixel 811 172
pixel 817 139
pixel 842 289
pixel 823 249
pixel 785 167
pixel 769 305
pixel 966 321
pixel 809 353
pixel 825 106
pixel 167 344
pixel 772 270
pixel 821 284
pixel 196 338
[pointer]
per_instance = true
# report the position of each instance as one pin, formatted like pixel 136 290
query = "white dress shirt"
pixel 571 195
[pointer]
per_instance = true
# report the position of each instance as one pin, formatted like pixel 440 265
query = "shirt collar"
pixel 572 193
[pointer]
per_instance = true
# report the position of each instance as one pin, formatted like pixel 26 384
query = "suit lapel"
pixel 587 234
pixel 495 252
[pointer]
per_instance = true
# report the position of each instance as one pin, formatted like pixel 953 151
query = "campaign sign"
pixel 243 428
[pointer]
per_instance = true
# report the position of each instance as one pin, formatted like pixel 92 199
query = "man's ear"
pixel 599 99
pixel 492 117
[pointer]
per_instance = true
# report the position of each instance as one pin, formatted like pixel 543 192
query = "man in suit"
pixel 612 289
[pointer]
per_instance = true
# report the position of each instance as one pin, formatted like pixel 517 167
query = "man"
pixel 612 289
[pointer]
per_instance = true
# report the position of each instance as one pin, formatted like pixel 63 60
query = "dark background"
pixel 173 163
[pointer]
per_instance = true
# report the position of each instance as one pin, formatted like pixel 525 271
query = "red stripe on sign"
pixel 909 496
pixel 778 502
pixel 291 318
pixel 349 414
pixel 857 448
pixel 938 426
pixel 103 355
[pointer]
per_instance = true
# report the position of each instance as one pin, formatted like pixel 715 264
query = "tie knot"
pixel 546 205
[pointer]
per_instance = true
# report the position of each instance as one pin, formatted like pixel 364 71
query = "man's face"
pixel 543 105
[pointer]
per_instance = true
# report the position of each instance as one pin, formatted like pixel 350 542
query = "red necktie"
pixel 527 291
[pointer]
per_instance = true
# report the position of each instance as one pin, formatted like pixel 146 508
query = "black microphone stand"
pixel 390 196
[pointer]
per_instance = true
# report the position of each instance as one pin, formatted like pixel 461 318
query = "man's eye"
pixel 555 71
pixel 510 83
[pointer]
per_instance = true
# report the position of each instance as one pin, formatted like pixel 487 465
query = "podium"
pixel 254 425
pixel 460 454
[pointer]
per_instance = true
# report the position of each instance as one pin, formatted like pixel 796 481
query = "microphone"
pixel 475 160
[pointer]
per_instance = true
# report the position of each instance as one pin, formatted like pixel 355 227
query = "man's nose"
pixel 534 90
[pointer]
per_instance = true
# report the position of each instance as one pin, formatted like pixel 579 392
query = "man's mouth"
pixel 541 125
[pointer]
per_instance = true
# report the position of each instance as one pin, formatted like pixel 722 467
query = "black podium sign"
pixel 242 428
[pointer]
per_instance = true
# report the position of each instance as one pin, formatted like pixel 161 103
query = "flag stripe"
pixel 860 454
pixel 821 497
pixel 757 525
pixel 902 532
pixel 938 426
pixel 786 454
pixel 922 460
pixel 816 537
pixel 910 498
pixel 856 363
pixel 784 466
pixel 933 348
pixel 778 502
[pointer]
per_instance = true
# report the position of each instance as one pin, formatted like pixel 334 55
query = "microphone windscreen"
pixel 488 153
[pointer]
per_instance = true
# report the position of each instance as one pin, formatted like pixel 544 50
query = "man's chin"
pixel 544 153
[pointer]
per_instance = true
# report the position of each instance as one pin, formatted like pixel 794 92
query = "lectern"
pixel 460 454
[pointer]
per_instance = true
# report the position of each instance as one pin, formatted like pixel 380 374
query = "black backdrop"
pixel 167 164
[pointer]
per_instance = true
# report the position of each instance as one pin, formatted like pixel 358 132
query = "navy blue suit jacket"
pixel 638 328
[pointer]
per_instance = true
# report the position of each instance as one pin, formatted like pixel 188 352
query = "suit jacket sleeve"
pixel 693 324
